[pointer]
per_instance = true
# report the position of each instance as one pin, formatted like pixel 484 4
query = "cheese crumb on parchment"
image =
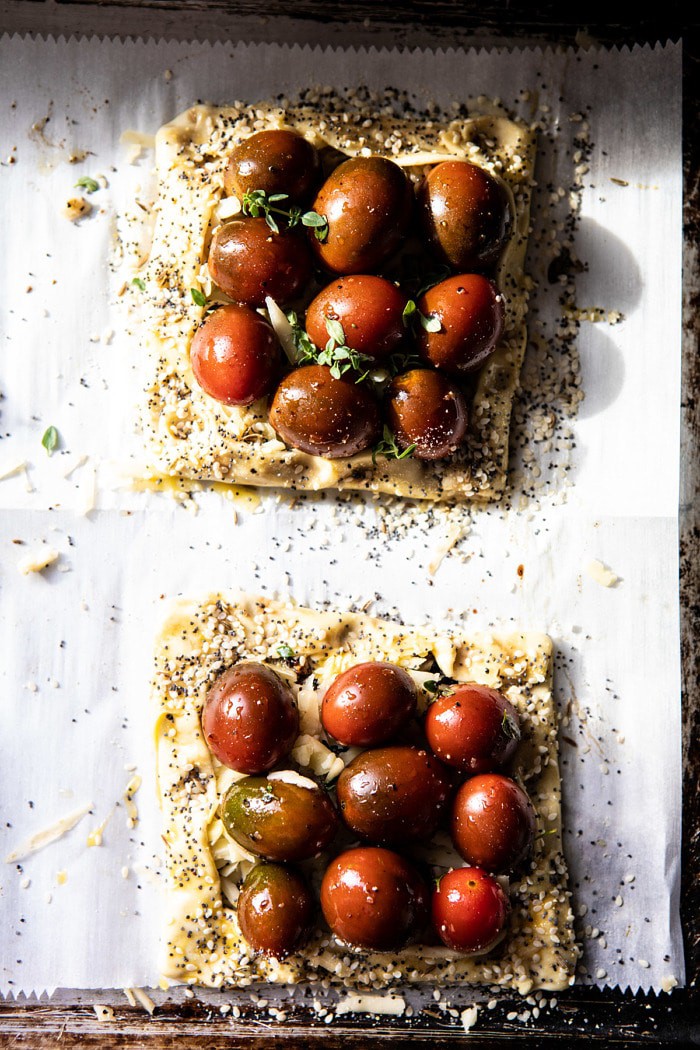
pixel 76 208
pixel 37 560
pixel 600 572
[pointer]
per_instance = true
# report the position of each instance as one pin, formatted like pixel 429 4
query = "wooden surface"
pixel 605 1018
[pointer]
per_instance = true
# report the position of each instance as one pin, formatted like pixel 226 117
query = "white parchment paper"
pixel 74 720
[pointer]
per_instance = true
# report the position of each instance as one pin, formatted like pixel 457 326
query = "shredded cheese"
pixel 48 835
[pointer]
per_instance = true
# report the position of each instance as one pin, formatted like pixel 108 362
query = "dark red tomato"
pixel 250 718
pixel 324 416
pixel 469 909
pixel 370 310
pixel 369 704
pixel 427 410
pixel 493 823
pixel 275 909
pixel 473 728
pixel 367 202
pixel 235 356
pixel 393 794
pixel 470 310
pixel 248 262
pixel 278 161
pixel 373 898
pixel 465 213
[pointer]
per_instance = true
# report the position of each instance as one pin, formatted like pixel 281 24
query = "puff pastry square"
pixel 202 943
pixel 188 435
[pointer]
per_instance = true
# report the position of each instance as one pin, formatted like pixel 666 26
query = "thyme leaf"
pixel 388 447
pixel 431 322
pixel 140 283
pixel 88 184
pixel 50 440
pixel 198 297
pixel 285 651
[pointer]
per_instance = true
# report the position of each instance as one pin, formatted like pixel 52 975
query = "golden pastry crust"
pixel 202 943
pixel 191 436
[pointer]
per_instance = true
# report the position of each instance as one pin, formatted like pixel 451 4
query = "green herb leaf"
pixel 408 310
pixel 388 447
pixel 277 196
pixel 431 323
pixel 431 686
pixel 269 219
pixel 285 651
pixel 198 297
pixel 335 331
pixel 140 283
pixel 50 439
pixel 87 184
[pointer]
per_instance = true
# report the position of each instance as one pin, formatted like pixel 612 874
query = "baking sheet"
pixel 75 714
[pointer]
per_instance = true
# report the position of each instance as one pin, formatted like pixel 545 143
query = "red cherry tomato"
pixel 473 728
pixel 368 704
pixel 235 356
pixel 373 898
pixel 470 311
pixel 370 310
pixel 493 823
pixel 465 212
pixel 249 262
pixel 426 409
pixel 469 909
pixel 367 202
pixel 324 416
pixel 250 718
pixel 275 909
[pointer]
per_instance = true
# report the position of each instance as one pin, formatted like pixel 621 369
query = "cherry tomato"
pixel 248 262
pixel 465 214
pixel 470 310
pixel 279 161
pixel 469 909
pixel 368 704
pixel 427 410
pixel 367 202
pixel 393 794
pixel 370 310
pixel 493 823
pixel 473 728
pixel 373 898
pixel 324 416
pixel 250 718
pixel 235 356
pixel 275 909
pixel 285 816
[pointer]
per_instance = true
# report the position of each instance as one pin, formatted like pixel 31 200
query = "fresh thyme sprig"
pixel 431 323
pixel 387 447
pixel 258 203
pixel 336 354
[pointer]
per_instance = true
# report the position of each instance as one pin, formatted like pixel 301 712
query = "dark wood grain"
pixel 602 1018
